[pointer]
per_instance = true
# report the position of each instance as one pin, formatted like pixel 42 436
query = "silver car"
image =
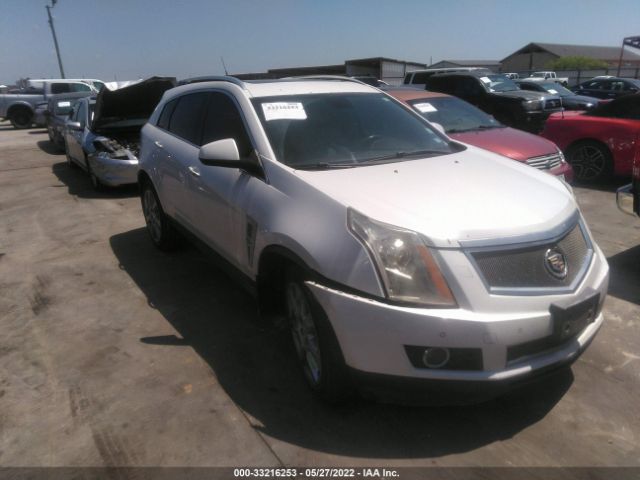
pixel 102 134
pixel 405 262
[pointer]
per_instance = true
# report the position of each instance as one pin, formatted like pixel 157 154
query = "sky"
pixel 127 39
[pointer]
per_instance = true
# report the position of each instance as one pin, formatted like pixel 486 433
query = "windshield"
pixel 557 89
pixel 538 75
pixel 453 114
pixel 345 129
pixel 498 83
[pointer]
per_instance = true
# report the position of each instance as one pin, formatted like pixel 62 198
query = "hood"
pixel 509 142
pixel 466 196
pixel 525 95
pixel 133 102
pixel 579 99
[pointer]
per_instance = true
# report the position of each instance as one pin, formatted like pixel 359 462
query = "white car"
pixel 406 262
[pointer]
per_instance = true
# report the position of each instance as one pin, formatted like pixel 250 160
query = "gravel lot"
pixel 113 353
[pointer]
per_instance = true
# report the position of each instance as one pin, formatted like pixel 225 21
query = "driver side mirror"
pixel 75 126
pixel 221 153
pixel 225 153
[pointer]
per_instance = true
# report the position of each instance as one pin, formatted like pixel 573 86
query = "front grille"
pixel 545 162
pixel 527 268
pixel 552 104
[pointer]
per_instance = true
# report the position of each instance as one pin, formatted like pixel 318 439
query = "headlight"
pixel 532 105
pixel 561 156
pixel 407 268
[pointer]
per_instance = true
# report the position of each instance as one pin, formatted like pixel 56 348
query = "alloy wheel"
pixel 152 215
pixel 589 162
pixel 303 330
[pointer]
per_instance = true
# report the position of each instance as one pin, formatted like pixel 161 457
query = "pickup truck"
pixel 19 107
pixel 548 77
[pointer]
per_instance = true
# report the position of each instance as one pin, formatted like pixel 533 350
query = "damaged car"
pixel 57 113
pixel 102 134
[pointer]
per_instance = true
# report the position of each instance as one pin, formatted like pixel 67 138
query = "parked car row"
pixel 26 107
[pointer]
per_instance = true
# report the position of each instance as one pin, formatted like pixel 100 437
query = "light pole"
pixel 55 39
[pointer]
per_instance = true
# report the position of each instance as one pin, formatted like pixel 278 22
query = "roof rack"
pixel 212 78
pixel 326 77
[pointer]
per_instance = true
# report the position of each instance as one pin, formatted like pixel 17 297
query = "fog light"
pixel 435 357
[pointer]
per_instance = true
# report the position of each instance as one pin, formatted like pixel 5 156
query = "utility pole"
pixel 55 39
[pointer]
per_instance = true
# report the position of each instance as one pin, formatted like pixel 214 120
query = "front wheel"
pixel 162 232
pixel 591 161
pixel 315 343
pixel 21 118
pixel 97 185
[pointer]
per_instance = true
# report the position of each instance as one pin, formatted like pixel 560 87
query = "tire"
pixel 315 343
pixel 70 162
pixel 21 118
pixel 591 161
pixel 97 185
pixel 162 233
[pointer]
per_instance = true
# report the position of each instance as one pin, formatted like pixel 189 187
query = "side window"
pixel 60 88
pixel 420 77
pixel 223 120
pixel 165 116
pixel 186 121
pixel 82 113
pixel 79 87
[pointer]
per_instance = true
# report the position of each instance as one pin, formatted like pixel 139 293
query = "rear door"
pixel 177 155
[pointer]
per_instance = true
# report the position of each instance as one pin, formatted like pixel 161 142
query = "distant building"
pixel 493 65
pixel 536 56
pixel 389 70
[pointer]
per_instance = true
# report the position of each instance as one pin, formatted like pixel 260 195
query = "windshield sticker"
pixel 485 79
pixel 551 90
pixel 284 111
pixel 425 107
pixel 64 104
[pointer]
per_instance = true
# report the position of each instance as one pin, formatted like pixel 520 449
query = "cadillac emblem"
pixel 556 263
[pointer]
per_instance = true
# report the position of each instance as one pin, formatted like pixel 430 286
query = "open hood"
pixel 135 101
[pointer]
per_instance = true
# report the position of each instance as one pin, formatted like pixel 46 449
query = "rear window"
pixel 186 120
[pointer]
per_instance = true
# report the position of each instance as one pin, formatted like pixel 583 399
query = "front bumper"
pixel 373 335
pixel 565 170
pixel 627 200
pixel 114 172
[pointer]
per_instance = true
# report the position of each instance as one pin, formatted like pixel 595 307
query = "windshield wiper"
pixel 402 154
pixel 471 129
pixel 324 166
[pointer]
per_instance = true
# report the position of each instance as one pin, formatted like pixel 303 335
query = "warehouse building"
pixel 389 70
pixel 536 56
pixel 493 65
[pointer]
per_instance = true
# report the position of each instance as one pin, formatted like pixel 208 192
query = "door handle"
pixel 158 144
pixel 194 171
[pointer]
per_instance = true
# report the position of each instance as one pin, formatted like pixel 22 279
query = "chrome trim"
pixel 532 291
pixel 527 239
pixel 544 162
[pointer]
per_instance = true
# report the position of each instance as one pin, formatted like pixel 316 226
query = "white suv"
pixel 403 260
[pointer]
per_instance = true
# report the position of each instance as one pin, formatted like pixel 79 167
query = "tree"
pixel 576 63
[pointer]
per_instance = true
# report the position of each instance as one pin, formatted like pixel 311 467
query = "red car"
pixel 601 142
pixel 468 124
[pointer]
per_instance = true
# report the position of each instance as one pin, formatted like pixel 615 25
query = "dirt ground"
pixel 113 353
